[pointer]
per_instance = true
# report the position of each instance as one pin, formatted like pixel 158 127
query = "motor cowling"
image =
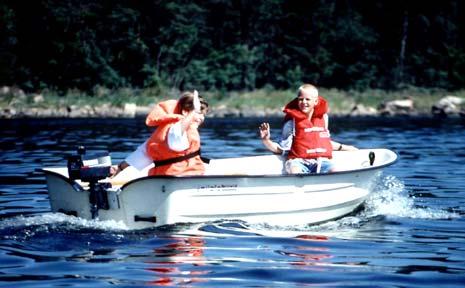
pixel 88 168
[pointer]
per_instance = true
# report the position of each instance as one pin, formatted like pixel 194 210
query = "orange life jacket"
pixel 312 138
pixel 164 115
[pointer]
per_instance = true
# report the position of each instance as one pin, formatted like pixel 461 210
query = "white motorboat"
pixel 252 189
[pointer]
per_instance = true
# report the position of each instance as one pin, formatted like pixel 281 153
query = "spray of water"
pixel 390 198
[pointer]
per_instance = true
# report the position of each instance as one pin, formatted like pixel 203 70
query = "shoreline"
pixel 142 111
pixel 222 113
pixel 15 104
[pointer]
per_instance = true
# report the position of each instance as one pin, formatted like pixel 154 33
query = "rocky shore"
pixel 447 106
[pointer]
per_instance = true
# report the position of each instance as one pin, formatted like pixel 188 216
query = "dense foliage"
pixel 232 44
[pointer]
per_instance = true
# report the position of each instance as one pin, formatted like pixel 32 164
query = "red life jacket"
pixel 312 138
pixel 164 115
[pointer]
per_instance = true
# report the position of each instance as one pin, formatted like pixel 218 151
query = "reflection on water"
pixel 177 263
pixel 308 255
pixel 410 232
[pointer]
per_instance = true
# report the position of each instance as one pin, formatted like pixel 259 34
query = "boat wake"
pixel 391 199
pixel 29 225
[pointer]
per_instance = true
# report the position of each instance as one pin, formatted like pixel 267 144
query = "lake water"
pixel 410 233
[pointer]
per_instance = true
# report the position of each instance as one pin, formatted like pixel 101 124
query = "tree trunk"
pixel 403 44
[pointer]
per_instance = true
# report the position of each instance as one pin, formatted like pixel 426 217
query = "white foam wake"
pixel 61 219
pixel 391 199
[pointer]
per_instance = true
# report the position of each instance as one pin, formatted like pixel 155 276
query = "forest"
pixel 232 45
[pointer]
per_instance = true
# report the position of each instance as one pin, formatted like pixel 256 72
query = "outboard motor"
pixel 91 169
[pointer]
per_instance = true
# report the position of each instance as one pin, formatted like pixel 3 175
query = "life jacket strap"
pixel 176 159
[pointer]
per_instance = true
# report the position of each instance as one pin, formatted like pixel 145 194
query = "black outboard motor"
pixel 75 163
pixel 91 169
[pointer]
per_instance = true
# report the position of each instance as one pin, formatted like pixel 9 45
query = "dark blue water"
pixel 410 233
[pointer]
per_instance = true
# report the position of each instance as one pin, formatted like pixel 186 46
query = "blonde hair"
pixel 309 88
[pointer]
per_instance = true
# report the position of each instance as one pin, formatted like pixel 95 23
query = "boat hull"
pixel 273 199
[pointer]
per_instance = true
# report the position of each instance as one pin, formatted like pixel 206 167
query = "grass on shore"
pixel 340 101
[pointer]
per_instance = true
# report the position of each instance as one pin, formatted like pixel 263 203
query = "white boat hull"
pixel 251 189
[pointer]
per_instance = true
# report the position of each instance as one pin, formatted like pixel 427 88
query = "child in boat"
pixel 141 158
pixel 305 135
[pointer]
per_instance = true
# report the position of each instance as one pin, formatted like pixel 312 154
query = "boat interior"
pixel 262 165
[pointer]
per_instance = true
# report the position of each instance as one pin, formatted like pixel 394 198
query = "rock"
pixel 104 110
pixel 13 91
pixel 129 110
pixel 87 111
pixel 362 110
pixel 233 112
pixel 37 98
pixel 447 106
pixel 5 90
pixel 449 99
pixel 143 110
pixel 74 111
pixel 396 107
pixel 8 112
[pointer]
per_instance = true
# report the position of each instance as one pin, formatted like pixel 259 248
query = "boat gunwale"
pixel 73 183
pixel 303 175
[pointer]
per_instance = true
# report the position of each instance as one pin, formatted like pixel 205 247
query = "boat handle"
pixel 138 218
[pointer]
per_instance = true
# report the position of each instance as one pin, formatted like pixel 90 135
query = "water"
pixel 410 233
